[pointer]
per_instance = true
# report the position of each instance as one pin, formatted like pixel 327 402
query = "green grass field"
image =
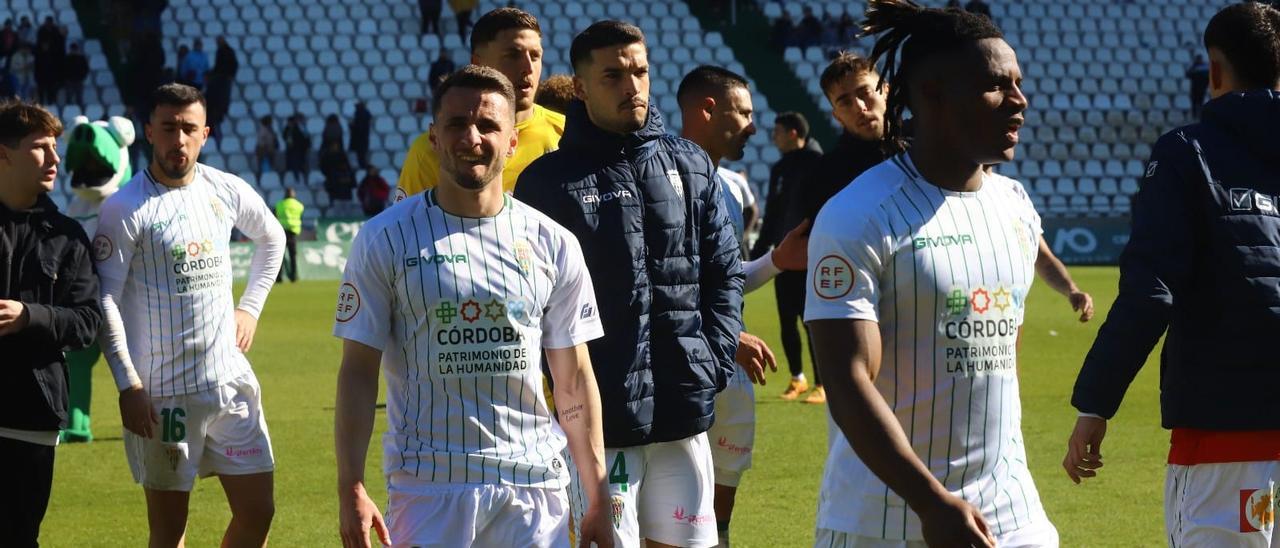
pixel 95 502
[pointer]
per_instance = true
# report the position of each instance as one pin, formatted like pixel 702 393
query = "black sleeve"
pixel 1155 265
pixel 73 321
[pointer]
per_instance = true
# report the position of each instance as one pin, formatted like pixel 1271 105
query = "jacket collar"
pixel 580 132
pixel 1250 117
pixel 41 210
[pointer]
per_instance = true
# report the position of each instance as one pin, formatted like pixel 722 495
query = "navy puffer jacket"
pixel 664 261
pixel 1203 263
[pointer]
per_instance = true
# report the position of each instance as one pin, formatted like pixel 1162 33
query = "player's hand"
pixel 246 326
pixel 753 355
pixel 1084 449
pixel 1083 303
pixel 954 522
pixel 596 527
pixel 356 515
pixel 792 253
pixel 14 317
pixel 137 413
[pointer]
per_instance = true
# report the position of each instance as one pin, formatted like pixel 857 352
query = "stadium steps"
pixel 768 72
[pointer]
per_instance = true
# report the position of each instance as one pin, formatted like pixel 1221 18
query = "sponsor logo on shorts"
pixel 237 452
pixel 348 302
pixel 102 247
pixel 616 504
pixel 174 452
pixel 1257 510
pixel 691 519
pixel 833 277
pixel 724 444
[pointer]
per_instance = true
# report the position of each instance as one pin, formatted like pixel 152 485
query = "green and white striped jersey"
pixel 945 274
pixel 461 309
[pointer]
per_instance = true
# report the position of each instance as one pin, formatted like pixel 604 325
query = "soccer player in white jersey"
pixel 457 292
pixel 174 337
pixel 919 270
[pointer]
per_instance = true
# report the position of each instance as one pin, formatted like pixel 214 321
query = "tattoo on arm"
pixel 571 413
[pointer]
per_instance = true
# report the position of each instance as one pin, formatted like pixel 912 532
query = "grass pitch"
pixel 95 502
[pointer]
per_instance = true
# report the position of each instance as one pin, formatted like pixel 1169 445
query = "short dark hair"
pixel 1248 34
pixel 909 35
pixel 19 119
pixel 602 34
pixel 476 77
pixel 793 121
pixel 490 24
pixel 844 64
pixel 177 95
pixel 555 93
pixel 705 80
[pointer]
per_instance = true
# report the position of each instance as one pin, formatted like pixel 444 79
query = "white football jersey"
pixel 164 260
pixel 945 274
pixel 461 309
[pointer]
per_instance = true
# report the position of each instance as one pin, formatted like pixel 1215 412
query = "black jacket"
pixel 1202 268
pixel 665 263
pixel 787 184
pixel 45 263
pixel 840 166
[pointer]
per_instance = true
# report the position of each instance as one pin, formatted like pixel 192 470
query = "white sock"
pixel 798 378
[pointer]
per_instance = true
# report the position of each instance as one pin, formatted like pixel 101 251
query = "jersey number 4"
pixel 172 429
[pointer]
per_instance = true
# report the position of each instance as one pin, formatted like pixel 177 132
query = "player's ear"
pixel 707 107
pixel 515 139
pixel 431 135
pixel 579 88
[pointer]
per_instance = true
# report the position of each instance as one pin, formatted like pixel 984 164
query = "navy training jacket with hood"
pixel 665 263
pixel 1203 264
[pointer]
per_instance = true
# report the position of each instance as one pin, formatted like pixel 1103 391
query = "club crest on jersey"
pixel 1257 510
pixel 102 247
pixel 833 277
pixel 524 256
pixel 217 208
pixel 616 505
pixel 677 184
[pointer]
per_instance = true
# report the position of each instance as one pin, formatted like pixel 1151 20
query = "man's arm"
pixel 578 401
pixel 1054 273
pixel 73 321
pixel 352 426
pixel 1155 266
pixel 721 279
pixel 257 222
pixel 848 354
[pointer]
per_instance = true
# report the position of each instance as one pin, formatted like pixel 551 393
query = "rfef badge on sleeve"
pixel 833 277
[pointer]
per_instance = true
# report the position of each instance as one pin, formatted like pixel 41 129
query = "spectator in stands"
pixel 289 213
pixel 264 152
pixel 361 123
pixel 783 29
pixel 297 148
pixel 26 31
pixel 810 29
pixel 555 93
pixel 430 15
pixel 22 66
pixel 146 71
pixel 440 69
pixel 183 50
pixel 1198 77
pixel 338 177
pixel 979 7
pixel 194 65
pixel 332 132
pixel 217 102
pixel 788 180
pixel 8 84
pixel 226 63
pixel 8 40
pixel 50 55
pixel 373 193
pixel 462 11
pixel 77 71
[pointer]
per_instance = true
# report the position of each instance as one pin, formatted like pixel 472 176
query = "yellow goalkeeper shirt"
pixel 537 135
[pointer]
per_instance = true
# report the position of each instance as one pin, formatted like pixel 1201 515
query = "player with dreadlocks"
pixel 919 270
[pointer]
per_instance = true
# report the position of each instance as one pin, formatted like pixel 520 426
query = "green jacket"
pixel 289 213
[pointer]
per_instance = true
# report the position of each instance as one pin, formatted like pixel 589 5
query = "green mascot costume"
pixel 98 160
